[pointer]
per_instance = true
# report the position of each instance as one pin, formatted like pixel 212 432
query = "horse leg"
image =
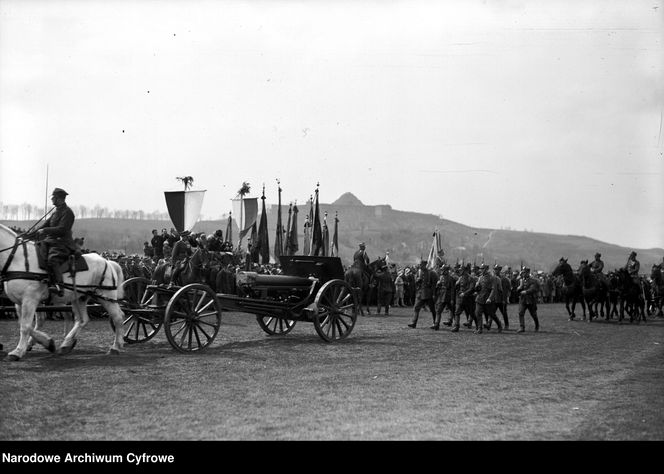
pixel 26 315
pixel 81 318
pixel 117 316
pixel 582 302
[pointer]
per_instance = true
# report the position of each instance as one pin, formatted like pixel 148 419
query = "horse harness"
pixel 28 275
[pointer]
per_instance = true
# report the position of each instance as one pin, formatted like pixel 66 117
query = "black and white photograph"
pixel 252 220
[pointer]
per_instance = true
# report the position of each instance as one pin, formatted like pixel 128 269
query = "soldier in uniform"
pixel 181 251
pixel 633 267
pixel 527 291
pixel 463 292
pixel 157 242
pixel 384 289
pixel 503 295
pixel 487 294
pixel 597 269
pixel 444 297
pixel 361 258
pixel 425 282
pixel 56 239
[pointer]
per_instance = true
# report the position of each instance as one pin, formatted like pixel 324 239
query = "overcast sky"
pixel 544 115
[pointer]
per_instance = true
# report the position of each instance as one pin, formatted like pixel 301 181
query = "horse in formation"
pixel 363 282
pixel 656 290
pixel 595 291
pixel 26 285
pixel 572 291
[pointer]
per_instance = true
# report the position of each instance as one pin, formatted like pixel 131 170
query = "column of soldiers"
pixel 477 293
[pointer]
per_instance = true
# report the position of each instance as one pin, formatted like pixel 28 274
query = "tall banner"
pixel 279 238
pixel 184 208
pixel 288 230
pixel 262 242
pixel 245 211
pixel 334 248
pixel 307 237
pixel 229 229
pixel 293 244
pixel 316 232
pixel 326 237
pixel 436 252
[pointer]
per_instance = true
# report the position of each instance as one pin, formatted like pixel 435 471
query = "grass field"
pixel 571 381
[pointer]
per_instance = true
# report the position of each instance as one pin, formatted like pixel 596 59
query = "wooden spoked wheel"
pixel 337 310
pixel 193 318
pixel 139 324
pixel 275 326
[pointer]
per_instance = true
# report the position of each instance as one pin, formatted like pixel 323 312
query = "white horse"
pixel 26 286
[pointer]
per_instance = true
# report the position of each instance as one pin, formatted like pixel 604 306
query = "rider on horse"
pixel 632 266
pixel 361 259
pixel 597 269
pixel 56 240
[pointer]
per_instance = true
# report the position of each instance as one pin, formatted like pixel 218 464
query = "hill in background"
pixel 407 236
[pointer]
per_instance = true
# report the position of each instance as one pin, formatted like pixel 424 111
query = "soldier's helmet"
pixel 59 192
pixel 525 270
pixel 497 268
pixel 598 254
pixel 633 254
pixel 484 266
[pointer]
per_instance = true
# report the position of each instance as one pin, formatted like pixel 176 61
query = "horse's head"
pixel 656 272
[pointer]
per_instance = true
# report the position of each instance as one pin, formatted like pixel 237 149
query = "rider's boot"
pixel 56 280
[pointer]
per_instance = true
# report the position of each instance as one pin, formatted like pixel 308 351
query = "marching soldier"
pixel 444 297
pixel 527 291
pixel 487 294
pixel 56 239
pixel 504 290
pixel 464 289
pixel 426 285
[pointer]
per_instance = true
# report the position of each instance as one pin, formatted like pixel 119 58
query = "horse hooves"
pixel 51 345
pixel 64 350
pixel 12 358
pixel 113 352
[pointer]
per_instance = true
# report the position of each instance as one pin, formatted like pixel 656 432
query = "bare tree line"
pixel 27 211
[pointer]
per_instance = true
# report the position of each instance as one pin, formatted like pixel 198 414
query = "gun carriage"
pixel 309 289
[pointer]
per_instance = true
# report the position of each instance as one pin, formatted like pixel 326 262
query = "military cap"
pixel 633 253
pixel 483 266
pixel 362 244
pixel 185 233
pixel 525 269
pixel 598 254
pixel 59 192
pixel 497 268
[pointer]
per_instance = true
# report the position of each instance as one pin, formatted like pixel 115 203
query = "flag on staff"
pixel 436 252
pixel 184 208
pixel 279 239
pixel 326 237
pixel 247 209
pixel 307 236
pixel 253 250
pixel 317 243
pixel 311 223
pixel 287 230
pixel 292 244
pixel 334 248
pixel 262 242
pixel 229 229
